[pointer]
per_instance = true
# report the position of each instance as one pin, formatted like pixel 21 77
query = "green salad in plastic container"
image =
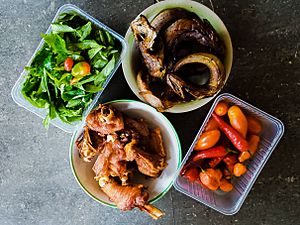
pixel 70 68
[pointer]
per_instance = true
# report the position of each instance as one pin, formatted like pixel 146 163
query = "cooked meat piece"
pixel 89 144
pixel 151 46
pixel 139 125
pixel 168 16
pixel 148 163
pixel 105 120
pixel 129 196
pixel 200 31
pixel 126 197
pixel 155 143
pixel 111 161
pixel 143 81
pixel 215 83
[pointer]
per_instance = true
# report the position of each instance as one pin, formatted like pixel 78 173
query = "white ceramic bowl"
pixel 129 63
pixel 157 187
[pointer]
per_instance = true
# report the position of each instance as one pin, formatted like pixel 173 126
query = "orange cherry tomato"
pixel 207 140
pixel 81 69
pixel 211 125
pixel 254 126
pixel 68 64
pixel 238 120
pixel 253 141
pixel 210 179
pixel 239 169
pixel 244 156
pixel 225 185
pixel 221 108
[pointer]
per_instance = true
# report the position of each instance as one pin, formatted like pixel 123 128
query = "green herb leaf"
pixel 60 28
pixel 88 44
pixel 105 72
pixel 73 103
pixel 84 31
pixel 57 44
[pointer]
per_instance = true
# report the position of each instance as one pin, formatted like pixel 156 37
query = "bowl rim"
pixel 126 67
pixel 160 195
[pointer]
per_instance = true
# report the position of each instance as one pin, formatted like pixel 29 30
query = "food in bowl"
pixel 182 58
pixel 70 68
pixel 230 138
pixel 124 147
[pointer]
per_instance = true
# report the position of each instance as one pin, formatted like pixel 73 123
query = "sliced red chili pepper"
pixel 236 139
pixel 219 151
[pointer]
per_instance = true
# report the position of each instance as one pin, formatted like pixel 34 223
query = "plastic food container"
pixel 231 202
pixel 41 112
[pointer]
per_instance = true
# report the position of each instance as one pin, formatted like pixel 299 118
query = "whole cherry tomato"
pixel 81 69
pixel 239 169
pixel 238 120
pixel 68 64
pixel 207 139
pixel 221 108
pixel 210 179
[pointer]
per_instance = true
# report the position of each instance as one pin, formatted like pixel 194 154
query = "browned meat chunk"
pixel 89 144
pixel 138 125
pixel 148 163
pixel 105 120
pixel 111 162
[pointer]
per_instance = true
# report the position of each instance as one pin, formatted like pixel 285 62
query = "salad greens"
pixel 48 84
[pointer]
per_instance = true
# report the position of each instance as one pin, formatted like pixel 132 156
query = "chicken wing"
pixel 129 197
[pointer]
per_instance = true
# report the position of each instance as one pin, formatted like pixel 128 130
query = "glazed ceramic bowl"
pixel 157 187
pixel 130 66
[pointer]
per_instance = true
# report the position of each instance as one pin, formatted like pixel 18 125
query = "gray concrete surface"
pixel 36 183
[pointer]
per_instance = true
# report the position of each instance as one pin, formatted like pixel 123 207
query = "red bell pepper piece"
pixel 236 139
pixel 219 151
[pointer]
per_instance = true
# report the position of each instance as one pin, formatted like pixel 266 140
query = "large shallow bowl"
pixel 129 63
pixel 157 187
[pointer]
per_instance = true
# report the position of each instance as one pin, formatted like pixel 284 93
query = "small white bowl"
pixel 129 62
pixel 157 187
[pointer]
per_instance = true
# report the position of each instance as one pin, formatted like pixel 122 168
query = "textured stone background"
pixel 36 182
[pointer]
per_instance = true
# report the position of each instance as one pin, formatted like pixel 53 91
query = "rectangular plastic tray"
pixel 231 202
pixel 41 112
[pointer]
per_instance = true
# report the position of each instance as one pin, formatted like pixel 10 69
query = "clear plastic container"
pixel 41 112
pixel 231 202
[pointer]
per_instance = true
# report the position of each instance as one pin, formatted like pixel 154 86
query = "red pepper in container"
pixel 230 159
pixel 191 174
pixel 236 139
pixel 219 151
pixel 215 161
